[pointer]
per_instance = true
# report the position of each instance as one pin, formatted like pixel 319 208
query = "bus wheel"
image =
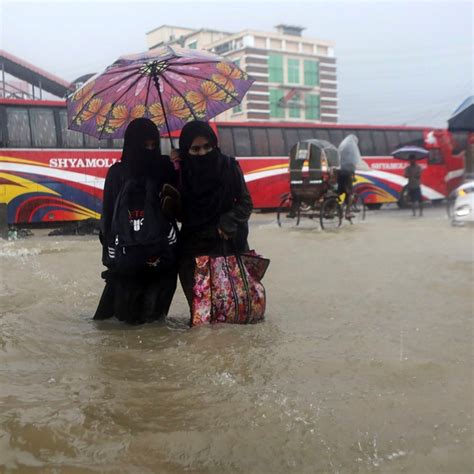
pixel 404 199
pixel 330 216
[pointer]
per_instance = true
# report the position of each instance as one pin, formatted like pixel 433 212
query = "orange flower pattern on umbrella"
pixel 157 115
pixel 83 95
pixel 176 107
pixel 208 90
pixel 96 110
pixel 122 114
pixel 227 74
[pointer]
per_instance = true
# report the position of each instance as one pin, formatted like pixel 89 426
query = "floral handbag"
pixel 228 289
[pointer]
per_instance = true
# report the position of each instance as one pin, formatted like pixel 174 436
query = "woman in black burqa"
pixel 147 296
pixel 216 204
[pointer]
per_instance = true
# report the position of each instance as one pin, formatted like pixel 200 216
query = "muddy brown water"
pixel 363 365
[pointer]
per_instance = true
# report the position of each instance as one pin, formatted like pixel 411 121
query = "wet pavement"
pixel 364 363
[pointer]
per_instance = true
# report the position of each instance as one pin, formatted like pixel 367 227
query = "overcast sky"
pixel 398 62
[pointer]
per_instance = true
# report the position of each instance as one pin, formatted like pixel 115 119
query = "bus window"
pixel 93 142
pixel 393 141
pixel 276 142
pixel 336 136
pixel 366 145
pixel 346 132
pixel 70 138
pixel 259 142
pixel 43 128
pixel 2 121
pixel 242 142
pixel 226 142
pixel 435 157
pixel 322 134
pixel 18 126
pixel 416 137
pixel 291 138
pixel 118 143
pixel 305 134
pixel 405 137
pixel 380 144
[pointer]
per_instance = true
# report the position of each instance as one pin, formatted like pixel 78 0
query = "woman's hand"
pixel 175 156
pixel 222 234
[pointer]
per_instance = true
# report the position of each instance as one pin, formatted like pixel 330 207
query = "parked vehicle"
pixel 49 173
pixel 463 206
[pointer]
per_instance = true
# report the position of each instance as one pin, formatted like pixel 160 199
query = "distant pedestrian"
pixel 413 173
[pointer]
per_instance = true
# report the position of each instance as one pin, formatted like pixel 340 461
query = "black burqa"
pixel 214 196
pixel 147 296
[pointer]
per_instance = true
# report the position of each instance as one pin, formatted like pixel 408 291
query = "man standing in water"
pixel 413 173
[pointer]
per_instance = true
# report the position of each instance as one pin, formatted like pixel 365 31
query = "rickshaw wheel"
pixel 283 209
pixel 330 216
pixel 298 215
pixel 358 208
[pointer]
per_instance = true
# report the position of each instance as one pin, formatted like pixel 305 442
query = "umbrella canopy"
pixel 405 152
pixel 169 85
pixel 462 119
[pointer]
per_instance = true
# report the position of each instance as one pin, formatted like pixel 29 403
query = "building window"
pixel 192 45
pixel 223 48
pixel 276 111
pixel 293 71
pixel 238 108
pixel 312 107
pixel 294 107
pixel 275 68
pixel 311 73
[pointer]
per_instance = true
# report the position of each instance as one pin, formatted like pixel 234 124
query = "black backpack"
pixel 142 238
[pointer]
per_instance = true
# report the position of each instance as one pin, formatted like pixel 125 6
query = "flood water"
pixel 364 363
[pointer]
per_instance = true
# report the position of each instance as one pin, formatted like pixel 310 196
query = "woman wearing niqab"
pixel 216 204
pixel 146 296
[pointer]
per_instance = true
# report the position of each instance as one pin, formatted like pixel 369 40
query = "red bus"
pixel 49 173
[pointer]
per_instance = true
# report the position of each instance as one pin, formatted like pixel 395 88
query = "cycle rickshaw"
pixel 313 181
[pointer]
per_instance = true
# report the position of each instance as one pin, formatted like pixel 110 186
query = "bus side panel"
pixel 267 179
pixel 53 185
pixel 385 180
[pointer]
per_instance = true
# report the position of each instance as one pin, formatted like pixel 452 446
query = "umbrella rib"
pixel 214 61
pixel 129 67
pixel 235 97
pixel 95 94
pixel 147 92
pixel 113 105
pixel 182 96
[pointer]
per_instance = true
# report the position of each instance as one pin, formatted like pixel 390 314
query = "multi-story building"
pixel 295 77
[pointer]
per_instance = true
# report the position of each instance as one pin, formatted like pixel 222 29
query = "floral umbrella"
pixel 169 85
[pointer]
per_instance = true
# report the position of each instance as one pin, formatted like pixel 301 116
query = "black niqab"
pixel 137 160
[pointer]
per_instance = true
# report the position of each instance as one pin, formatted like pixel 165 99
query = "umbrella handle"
pixel 157 85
